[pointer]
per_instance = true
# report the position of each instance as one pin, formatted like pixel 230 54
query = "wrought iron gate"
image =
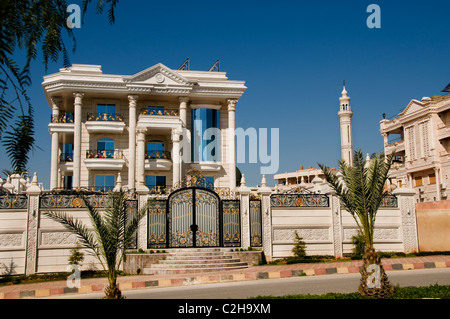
pixel 194 217
pixel 255 223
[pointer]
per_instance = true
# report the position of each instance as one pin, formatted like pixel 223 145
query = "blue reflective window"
pixel 104 183
pixel 205 135
pixel 105 148
pixel 153 182
pixel 106 112
pixel 155 110
pixel 155 149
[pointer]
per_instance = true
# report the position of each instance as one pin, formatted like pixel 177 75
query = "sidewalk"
pixel 48 289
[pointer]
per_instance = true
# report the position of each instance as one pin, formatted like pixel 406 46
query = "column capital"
pixel 78 95
pixel 141 132
pixel 183 99
pixel 133 100
pixel 176 135
pixel 56 102
pixel 232 104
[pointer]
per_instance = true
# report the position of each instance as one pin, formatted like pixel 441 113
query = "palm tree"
pixel 112 233
pixel 361 190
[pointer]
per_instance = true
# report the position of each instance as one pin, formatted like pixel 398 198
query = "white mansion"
pixel 141 131
pixel 420 137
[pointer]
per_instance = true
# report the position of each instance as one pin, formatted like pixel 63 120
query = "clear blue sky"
pixel 293 56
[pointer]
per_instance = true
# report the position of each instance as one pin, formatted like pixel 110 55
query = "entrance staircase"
pixel 195 260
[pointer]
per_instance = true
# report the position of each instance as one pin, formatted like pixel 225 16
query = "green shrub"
pixel 359 246
pixel 77 256
pixel 299 249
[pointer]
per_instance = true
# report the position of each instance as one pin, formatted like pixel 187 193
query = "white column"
pixel 132 141
pixel 176 160
pixel 232 142
pixel 78 103
pixel 183 109
pixel 55 147
pixel 141 159
pixel 438 184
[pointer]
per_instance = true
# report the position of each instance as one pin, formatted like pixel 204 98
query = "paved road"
pixel 296 285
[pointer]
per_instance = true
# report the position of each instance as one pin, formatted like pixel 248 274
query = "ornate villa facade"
pixel 142 131
pixel 420 138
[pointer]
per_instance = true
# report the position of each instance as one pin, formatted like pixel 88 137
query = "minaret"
pixel 345 115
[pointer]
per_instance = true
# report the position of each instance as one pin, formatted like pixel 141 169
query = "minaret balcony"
pixel 104 159
pixel 105 123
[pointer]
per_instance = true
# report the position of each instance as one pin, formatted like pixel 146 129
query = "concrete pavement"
pixel 54 288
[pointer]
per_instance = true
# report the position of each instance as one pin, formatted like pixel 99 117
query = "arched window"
pixel 105 148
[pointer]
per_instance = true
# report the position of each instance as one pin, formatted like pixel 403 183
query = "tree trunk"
pixel 374 281
pixel 112 291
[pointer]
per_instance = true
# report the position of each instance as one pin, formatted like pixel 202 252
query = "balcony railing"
pixel 145 111
pixel 66 157
pixel 112 154
pixel 157 155
pixel 107 117
pixel 62 118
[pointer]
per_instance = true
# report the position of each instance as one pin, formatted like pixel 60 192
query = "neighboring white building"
pixel 144 130
pixel 420 137
pixel 306 177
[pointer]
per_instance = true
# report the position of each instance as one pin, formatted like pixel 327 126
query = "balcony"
pixel 66 157
pixel 159 118
pixel 159 160
pixel 207 166
pixel 104 159
pixel 105 123
pixel 63 123
pixel 443 132
pixel 397 144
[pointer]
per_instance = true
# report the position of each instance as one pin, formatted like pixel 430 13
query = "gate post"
pixel 244 193
pixel 407 209
pixel 266 213
pixel 31 260
pixel 142 230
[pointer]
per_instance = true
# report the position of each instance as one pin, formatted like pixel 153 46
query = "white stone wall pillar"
pixel 405 197
pixel 176 158
pixel 142 230
pixel 231 158
pixel 336 217
pixel 132 103
pixel 78 104
pixel 266 218
pixel 244 194
pixel 31 259
pixel 141 160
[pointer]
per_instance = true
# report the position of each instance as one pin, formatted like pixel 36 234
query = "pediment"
pixel 158 74
pixel 412 107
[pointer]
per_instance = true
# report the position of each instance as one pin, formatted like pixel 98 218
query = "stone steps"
pixel 195 260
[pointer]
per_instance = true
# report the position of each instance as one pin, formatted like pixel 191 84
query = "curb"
pixel 213 278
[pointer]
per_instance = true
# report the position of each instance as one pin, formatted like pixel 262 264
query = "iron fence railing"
pixel 108 117
pixel 111 154
pixel 157 155
pixel 62 118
